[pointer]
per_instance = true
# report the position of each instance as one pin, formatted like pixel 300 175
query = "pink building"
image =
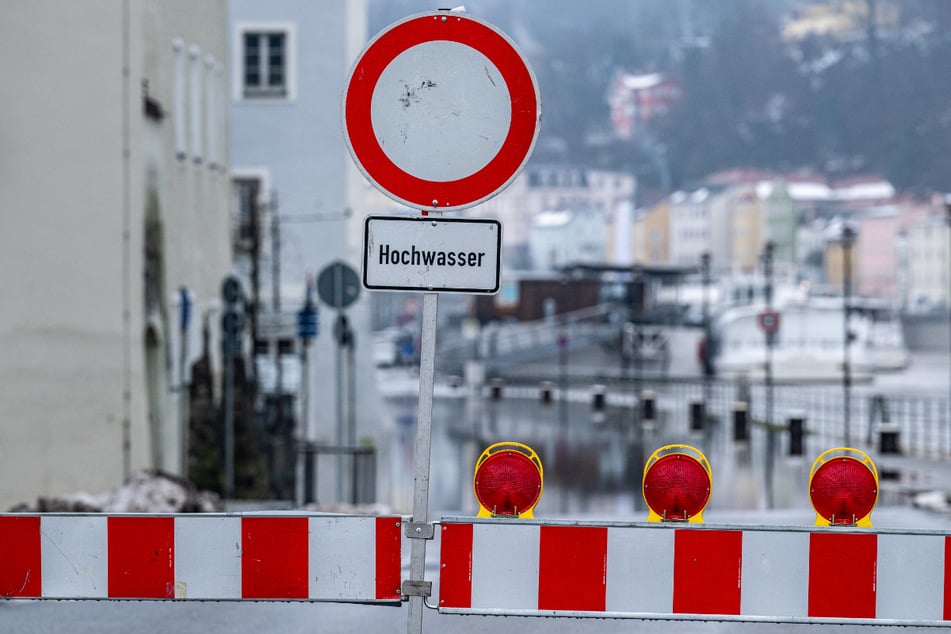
pixel 882 230
pixel 876 252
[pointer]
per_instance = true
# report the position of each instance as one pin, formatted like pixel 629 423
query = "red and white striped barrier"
pixel 656 570
pixel 211 557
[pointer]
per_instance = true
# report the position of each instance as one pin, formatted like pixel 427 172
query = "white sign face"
pixel 459 255
pixel 449 122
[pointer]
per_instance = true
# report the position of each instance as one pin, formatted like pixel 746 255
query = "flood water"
pixel 593 460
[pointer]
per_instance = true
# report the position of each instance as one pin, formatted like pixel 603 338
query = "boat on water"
pixel 809 343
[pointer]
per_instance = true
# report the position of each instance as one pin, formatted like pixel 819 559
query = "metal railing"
pixel 921 423
pixel 362 469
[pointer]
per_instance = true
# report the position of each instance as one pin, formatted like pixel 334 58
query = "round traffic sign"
pixel 441 111
pixel 232 322
pixel 768 321
pixel 338 285
pixel 231 290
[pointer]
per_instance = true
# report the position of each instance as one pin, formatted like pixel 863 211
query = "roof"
pixel 636 270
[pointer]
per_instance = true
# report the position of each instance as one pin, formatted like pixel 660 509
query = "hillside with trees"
pixel 838 87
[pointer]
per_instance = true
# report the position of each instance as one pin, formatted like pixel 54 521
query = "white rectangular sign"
pixel 458 255
pixel 277 325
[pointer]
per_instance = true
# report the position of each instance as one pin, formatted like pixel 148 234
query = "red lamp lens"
pixel 508 483
pixel 677 487
pixel 843 489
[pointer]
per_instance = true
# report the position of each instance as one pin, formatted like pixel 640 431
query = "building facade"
pixel 928 284
pixel 290 63
pixel 115 191
pixel 541 188
pixel 652 234
pixel 561 238
pixel 689 226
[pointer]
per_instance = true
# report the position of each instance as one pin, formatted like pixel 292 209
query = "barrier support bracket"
pixel 416 588
pixel 419 530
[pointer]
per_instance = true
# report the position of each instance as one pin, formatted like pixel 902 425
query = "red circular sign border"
pixel 498 172
pixel 767 316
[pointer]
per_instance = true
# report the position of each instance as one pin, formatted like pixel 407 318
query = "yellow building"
pixel 652 230
pixel 746 232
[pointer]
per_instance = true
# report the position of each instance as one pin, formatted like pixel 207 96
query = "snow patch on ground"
pixel 144 492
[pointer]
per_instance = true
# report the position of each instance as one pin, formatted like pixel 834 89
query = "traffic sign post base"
pixel 424 425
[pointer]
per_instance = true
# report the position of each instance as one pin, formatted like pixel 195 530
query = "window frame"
pixel 240 92
pixel 263 176
pixel 179 122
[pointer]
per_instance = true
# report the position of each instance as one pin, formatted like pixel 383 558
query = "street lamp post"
pixel 768 251
pixel 307 327
pixel 770 333
pixel 562 445
pixel 848 240
pixel 281 483
pixel 947 270
pixel 705 316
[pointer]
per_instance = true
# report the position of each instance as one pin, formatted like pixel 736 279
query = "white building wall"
pixel 689 227
pixel 720 210
pixel 540 188
pixel 76 158
pixel 298 142
pixel 186 67
pixel 71 374
pixel 928 264
pixel 567 237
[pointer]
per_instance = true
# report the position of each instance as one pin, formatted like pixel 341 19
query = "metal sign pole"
pixel 424 424
pixel 185 310
pixel 229 426
pixel 508 118
pixel 338 301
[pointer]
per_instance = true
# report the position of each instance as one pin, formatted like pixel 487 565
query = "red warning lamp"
pixel 843 488
pixel 508 480
pixel 677 484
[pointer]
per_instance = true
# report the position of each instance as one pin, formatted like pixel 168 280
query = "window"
pixel 213 121
pixel 194 101
pixel 178 96
pixel 249 189
pixel 264 61
pixel 247 193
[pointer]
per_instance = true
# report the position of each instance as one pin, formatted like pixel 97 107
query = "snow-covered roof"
pixel 641 82
pixel 700 195
pixel 809 190
pixel 867 190
pixel 553 218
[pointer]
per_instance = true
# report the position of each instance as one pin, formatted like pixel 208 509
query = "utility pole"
pixel 281 485
pixel 947 270
pixel 255 229
pixel 307 329
pixel 848 239
pixel 183 324
pixel 562 445
pixel 232 324
pixel 280 425
pixel 705 317
pixel 768 251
